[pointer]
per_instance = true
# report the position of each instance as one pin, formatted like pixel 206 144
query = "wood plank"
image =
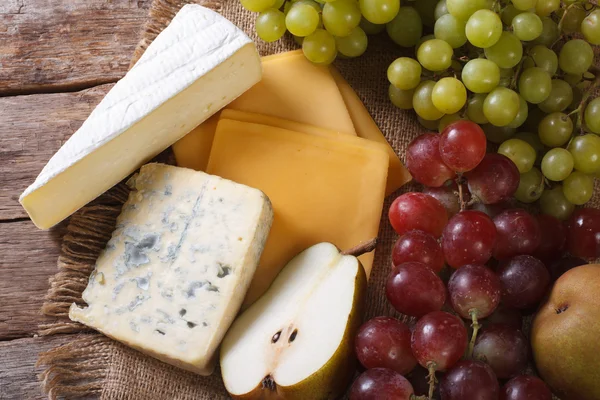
pixel 58 45
pixel 32 129
pixel 18 373
pixel 27 260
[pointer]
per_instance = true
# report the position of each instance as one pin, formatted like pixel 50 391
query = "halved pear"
pixel 297 340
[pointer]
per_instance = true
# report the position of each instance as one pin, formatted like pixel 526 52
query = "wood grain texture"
pixel 32 129
pixel 60 45
pixel 27 261
pixel 18 374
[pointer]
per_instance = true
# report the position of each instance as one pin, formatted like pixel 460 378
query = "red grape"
pixel 424 162
pixel 504 315
pixel 496 178
pixel 420 247
pixel 381 383
pixel 447 196
pixel 525 387
pixel 414 289
pixel 462 145
pixel 503 348
pixel 419 379
pixel 553 238
pixel 468 238
pixel 474 291
pixel 524 281
pixel 384 342
pixel 583 233
pixel 439 340
pixel 417 211
pixel 469 380
pixel 491 210
pixel 518 232
pixel 562 265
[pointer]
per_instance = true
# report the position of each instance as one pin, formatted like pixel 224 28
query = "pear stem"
pixel 431 367
pixel 476 326
pixel 365 247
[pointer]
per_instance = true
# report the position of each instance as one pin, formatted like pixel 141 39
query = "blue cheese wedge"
pixel 173 276
pixel 196 66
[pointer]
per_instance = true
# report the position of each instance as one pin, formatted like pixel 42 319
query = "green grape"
pixel 576 57
pixel 311 3
pixel 302 19
pixel 535 85
pixel 543 8
pixel 484 28
pixel 404 73
pixel 590 27
pixel 573 79
pixel 401 98
pixel 508 14
pixel 521 115
pixel 270 25
pixel 341 16
pixel 520 152
pixel 555 129
pixel 299 40
pixel 592 115
pixel 475 108
pixel 573 19
pixel 456 66
pixel 550 32
pixel 578 188
pixel 463 9
pixel 561 96
pixel 379 11
pixel 426 10
pixel 440 9
pixel 447 120
pixel 544 58
pixel 498 134
pixel 577 98
pixel 557 164
pixel 527 26
pixel 353 45
pixel 524 4
pixel 423 104
pixel 450 29
pixel 435 55
pixel 421 41
pixel 257 5
pixel 553 202
pixel 371 28
pixel 449 95
pixel 531 186
pixel 319 47
pixel 528 62
pixel 534 141
pixel 586 153
pixel 430 125
pixel 501 106
pixel 507 52
pixel 480 75
pixel 406 27
pixel 506 76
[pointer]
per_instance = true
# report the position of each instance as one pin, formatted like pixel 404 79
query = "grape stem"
pixel 476 326
pixel 431 366
pixel 561 22
pixel 515 78
pixel 580 123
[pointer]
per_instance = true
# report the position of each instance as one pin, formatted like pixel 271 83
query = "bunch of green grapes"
pixel 523 70
pixel 328 28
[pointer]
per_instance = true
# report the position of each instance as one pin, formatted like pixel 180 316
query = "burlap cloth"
pixel 93 366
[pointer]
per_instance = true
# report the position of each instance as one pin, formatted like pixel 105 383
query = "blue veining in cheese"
pixel 175 272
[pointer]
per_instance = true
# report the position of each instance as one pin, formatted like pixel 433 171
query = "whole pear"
pixel 565 335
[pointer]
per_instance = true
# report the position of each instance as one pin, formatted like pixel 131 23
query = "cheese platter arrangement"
pixel 244 223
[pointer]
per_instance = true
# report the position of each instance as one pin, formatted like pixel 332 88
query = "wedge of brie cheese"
pixel 195 67
pixel 173 276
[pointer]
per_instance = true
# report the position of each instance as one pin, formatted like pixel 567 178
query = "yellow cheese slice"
pixel 324 188
pixel 366 128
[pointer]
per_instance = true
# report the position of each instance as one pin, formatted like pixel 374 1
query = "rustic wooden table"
pixel 57 59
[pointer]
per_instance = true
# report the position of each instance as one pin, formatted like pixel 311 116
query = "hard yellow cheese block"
pixel 291 88
pixel 366 128
pixel 324 188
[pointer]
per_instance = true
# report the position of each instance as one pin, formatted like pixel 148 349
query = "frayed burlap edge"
pixel 79 368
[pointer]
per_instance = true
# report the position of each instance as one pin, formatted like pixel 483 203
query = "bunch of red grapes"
pixel 503 258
